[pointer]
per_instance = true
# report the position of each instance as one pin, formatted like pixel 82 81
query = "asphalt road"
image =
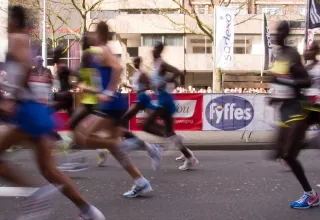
pixel 226 185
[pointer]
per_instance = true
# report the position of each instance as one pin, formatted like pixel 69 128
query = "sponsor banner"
pixel 224 36
pixel 188 114
pixel 237 112
pixel 268 56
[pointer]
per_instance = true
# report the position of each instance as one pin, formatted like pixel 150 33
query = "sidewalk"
pixel 219 140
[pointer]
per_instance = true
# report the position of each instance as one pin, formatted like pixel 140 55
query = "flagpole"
pixel 307 23
pixel 263 49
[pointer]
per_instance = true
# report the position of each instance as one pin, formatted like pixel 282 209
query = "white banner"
pixel 224 36
pixel 238 112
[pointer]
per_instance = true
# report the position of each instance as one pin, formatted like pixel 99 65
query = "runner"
pixel 89 100
pixel 166 107
pixel 107 118
pixel 292 76
pixel 32 123
pixel 140 84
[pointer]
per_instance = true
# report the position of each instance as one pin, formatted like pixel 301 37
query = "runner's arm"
pixel 110 60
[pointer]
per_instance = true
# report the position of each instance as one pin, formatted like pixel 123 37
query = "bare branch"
pixel 77 8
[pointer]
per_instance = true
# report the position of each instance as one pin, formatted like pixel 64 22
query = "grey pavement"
pixel 221 140
pixel 228 185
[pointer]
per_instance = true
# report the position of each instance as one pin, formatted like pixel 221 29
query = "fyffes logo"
pixel 229 112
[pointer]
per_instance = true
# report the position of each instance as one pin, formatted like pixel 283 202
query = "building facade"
pixel 141 23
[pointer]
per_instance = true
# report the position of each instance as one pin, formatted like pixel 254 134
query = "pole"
pixel 214 76
pixel 307 23
pixel 263 44
pixel 44 34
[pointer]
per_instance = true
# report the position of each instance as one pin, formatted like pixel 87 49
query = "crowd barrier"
pixel 216 112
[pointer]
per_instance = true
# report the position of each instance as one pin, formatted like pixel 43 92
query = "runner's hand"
pixel 8 106
pixel 103 98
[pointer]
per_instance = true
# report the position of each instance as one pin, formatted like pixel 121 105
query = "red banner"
pixel 188 116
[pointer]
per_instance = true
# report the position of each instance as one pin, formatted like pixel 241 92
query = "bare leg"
pixel 49 170
pixel 11 173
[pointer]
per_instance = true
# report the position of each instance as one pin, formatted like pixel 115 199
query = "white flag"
pixel 224 24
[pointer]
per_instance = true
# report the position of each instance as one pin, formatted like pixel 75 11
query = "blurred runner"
pixel 291 78
pixel 33 123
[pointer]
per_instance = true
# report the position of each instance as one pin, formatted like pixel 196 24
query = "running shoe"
pixel 138 190
pixel 102 158
pixel 93 214
pixel 306 201
pixel 75 165
pixel 181 158
pixel 155 156
pixel 39 204
pixel 189 163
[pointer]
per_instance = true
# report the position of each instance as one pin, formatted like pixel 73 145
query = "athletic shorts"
pixel 165 100
pixel 291 110
pixel 34 118
pixel 144 100
pixel 115 115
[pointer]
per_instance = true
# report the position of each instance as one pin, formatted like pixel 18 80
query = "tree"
pixel 202 28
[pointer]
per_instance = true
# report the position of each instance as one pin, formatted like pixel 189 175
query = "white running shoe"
pixel 75 165
pixel 39 204
pixel 93 214
pixel 181 158
pixel 188 164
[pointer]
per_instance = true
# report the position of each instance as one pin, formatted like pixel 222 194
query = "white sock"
pixel 311 193
pixel 99 151
pixel 140 181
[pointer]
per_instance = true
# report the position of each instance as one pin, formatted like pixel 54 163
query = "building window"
pixel 239 50
pixel 151 40
pixel 301 10
pixel 133 51
pixel 103 14
pixel 71 57
pixel 202 9
pixel 202 50
pixel 270 9
pixel 173 40
pixel 240 9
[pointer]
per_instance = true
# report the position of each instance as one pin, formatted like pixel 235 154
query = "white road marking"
pixel 17 191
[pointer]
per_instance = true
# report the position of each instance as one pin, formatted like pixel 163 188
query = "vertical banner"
pixel 310 37
pixel 188 116
pixel 313 14
pixel 224 36
pixel 268 56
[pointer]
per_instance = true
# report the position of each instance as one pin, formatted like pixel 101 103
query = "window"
pixel 239 50
pixel 201 9
pixel 173 40
pixel 240 9
pixel 202 50
pixel 71 57
pixel 301 10
pixel 270 9
pixel 151 40
pixel 108 14
pixel 133 51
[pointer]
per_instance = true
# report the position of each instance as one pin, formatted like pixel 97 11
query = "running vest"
pixel 158 79
pixel 135 82
pixel 313 93
pixel 281 69
pixel 91 77
pixel 41 87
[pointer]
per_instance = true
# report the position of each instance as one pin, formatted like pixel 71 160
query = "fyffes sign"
pixel 229 112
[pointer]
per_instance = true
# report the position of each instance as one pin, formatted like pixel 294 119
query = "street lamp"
pixel 44 34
